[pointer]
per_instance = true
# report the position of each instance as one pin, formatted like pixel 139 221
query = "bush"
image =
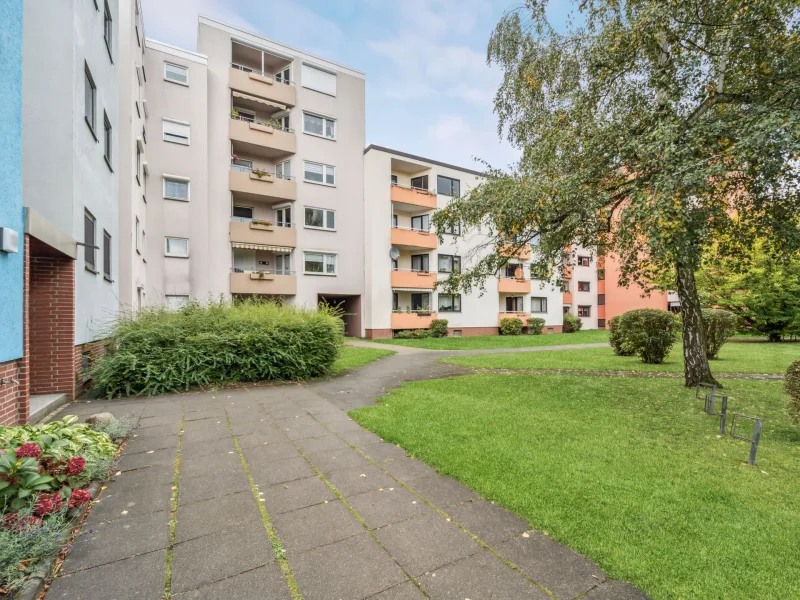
pixel 617 338
pixel 650 333
pixel 571 324
pixel 438 328
pixel 792 383
pixel 412 334
pixel 511 326
pixel 718 326
pixel 535 325
pixel 156 351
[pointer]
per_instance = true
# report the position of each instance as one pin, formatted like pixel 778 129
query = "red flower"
pixel 78 498
pixel 15 522
pixel 46 504
pixel 75 466
pixel 29 449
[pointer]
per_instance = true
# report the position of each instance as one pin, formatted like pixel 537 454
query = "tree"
pixel 648 130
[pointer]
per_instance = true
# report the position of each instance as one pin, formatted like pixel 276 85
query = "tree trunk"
pixel 695 369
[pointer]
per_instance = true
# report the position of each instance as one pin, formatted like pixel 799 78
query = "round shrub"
pixel 571 323
pixel 511 326
pixel 718 326
pixel 617 339
pixel 535 325
pixel 792 383
pixel 438 328
pixel 650 333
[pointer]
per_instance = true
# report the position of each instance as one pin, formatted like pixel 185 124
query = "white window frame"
pixel 164 134
pixel 171 64
pixel 176 179
pixel 286 169
pixel 324 254
pixel 325 121
pixel 542 301
pixel 324 173
pixel 284 208
pixel 325 212
pixel 172 254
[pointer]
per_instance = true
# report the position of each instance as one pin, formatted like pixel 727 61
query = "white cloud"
pixel 457 140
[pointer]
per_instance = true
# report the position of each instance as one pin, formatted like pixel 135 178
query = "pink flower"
pixel 75 466
pixel 46 504
pixel 29 450
pixel 78 498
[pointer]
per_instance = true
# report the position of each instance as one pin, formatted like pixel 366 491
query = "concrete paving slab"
pixel 315 526
pixel 198 489
pixel 137 444
pixel 329 461
pixel 320 444
pixel 223 445
pixel 360 438
pixel 490 522
pixel 164 457
pixel 262 583
pixel 350 482
pixel 408 469
pixel 309 431
pixel 391 505
pixel 293 495
pixel 130 495
pixel 279 471
pixel 442 491
pixel 259 437
pixel 404 591
pixel 210 516
pixel 615 590
pixel 384 451
pixel 213 464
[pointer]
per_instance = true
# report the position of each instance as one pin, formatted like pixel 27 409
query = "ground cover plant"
pixel 488 342
pixel 156 351
pixel 627 471
pixel 352 357
pixel 734 357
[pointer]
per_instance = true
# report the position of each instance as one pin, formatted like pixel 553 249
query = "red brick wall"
pixel 96 350
pixel 9 393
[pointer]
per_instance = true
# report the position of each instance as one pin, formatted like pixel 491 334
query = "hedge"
pixel 156 351
pixel 718 326
pixel 512 326
pixel 571 323
pixel 617 338
pixel 792 383
pixel 438 328
pixel 650 333
pixel 535 325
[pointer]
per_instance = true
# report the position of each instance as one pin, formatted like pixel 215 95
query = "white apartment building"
pixel 404 260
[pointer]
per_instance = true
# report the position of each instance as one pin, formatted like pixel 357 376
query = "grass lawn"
pixel 735 357
pixel 352 357
pixel 627 471
pixel 488 342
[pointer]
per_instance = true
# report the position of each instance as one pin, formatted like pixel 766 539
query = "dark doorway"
pixel 350 306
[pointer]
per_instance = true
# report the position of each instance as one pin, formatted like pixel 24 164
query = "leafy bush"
pixel 60 440
pixel 571 324
pixel 120 429
pixel 650 333
pixel 718 325
pixel 792 383
pixel 617 338
pixel 156 351
pixel 535 325
pixel 438 328
pixel 413 334
pixel 511 326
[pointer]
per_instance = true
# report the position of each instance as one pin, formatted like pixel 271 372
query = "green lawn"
pixel 488 342
pixel 735 357
pixel 352 357
pixel 627 471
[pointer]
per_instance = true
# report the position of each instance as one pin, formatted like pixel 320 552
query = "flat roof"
pixel 423 159
pixel 175 51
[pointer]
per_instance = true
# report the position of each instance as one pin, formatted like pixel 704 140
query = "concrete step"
pixel 43 404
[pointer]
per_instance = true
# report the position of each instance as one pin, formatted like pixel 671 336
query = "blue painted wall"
pixel 11 267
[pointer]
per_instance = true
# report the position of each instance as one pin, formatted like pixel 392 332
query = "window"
pixel 420 183
pixel 317 125
pixel 601 299
pixel 454 230
pixel 136 232
pixel 395 301
pixel 284 76
pixel 319 263
pixel 420 262
pixel 395 264
pixel 176 132
pixel 245 115
pixel 176 189
pixel 319 173
pixel 319 218
pixel 284 216
pixel 449 302
pixel 242 162
pixel 510 271
pixel 601 323
pixel 107 255
pixel 283 170
pixel 449 264
pixel 584 311
pixel 174 246
pixel 583 261
pixel 420 301
pixel 176 73
pixel 144 134
pixel 538 305
pixel 317 79
pixel 514 304
pixel 283 264
pixel 177 302
pixel 243 212
pixel 448 186
pixel 107 139
pixel 394 179
pixel 89 224
pixel 584 286
pixel 90 98
pixel 421 223
pixel 108 28
pixel 394 220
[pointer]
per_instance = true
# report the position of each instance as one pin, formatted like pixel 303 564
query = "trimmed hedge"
pixel 792 383
pixel 649 332
pixel 718 326
pixel 535 325
pixel 438 328
pixel 155 351
pixel 617 339
pixel 511 326
pixel 571 324
pixel 413 334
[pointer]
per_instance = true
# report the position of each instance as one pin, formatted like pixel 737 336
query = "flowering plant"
pixel 78 498
pixel 29 449
pixel 47 504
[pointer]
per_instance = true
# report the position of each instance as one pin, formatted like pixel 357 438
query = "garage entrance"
pixel 350 306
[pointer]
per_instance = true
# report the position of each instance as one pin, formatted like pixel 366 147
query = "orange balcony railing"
pixel 412 320
pixel 414 279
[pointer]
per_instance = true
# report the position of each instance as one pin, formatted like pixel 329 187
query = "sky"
pixel 429 89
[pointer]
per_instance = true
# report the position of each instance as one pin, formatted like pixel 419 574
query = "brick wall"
pixel 95 350
pixel 9 393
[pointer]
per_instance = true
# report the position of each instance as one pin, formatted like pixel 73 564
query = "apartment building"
pixel 404 260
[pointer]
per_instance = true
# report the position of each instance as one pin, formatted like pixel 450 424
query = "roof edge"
pixel 423 159
pixel 176 51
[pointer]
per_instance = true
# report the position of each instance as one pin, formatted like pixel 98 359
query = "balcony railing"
pixel 251 219
pixel 274 123
pixel 264 271
pixel 246 169
pixel 257 71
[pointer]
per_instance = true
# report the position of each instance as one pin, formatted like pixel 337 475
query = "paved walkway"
pixel 273 492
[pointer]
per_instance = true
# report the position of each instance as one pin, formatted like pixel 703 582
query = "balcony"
pixel 262 138
pixel 412 320
pixel 262 233
pixel 250 81
pixel 522 252
pixel 416 280
pixel 522 316
pixel 413 238
pixel 413 197
pixel 567 298
pixel 513 285
pixel 264 282
pixel 268 187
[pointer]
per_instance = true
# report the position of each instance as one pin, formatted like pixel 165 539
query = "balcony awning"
pixel 410 289
pixel 259 100
pixel 286 249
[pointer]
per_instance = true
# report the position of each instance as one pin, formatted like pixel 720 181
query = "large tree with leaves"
pixel 648 128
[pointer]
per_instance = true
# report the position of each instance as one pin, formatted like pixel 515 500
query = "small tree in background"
pixel 535 325
pixel 718 325
pixel 617 339
pixel 438 328
pixel 571 324
pixel 650 333
pixel 792 383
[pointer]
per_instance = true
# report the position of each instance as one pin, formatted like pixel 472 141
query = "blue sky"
pixel 429 90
